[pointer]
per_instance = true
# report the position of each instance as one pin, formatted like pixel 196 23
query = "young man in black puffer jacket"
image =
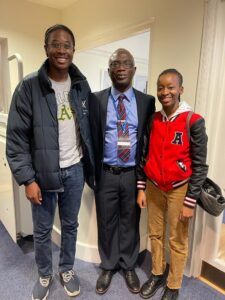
pixel 49 151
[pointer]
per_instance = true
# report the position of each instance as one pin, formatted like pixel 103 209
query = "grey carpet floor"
pixel 18 274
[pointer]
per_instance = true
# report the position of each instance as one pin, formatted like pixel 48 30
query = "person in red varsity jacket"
pixel 174 165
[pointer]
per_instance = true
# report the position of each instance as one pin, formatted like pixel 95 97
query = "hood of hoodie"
pixel 183 107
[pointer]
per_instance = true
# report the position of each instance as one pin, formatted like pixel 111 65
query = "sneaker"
pixel 41 288
pixel 170 294
pixel 70 283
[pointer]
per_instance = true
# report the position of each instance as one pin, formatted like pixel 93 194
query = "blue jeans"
pixel 43 218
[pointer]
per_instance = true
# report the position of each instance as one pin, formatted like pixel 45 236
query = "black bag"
pixel 211 198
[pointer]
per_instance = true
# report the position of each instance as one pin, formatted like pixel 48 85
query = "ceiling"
pixel 59 4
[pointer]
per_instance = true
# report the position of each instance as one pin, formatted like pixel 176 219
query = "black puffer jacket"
pixel 32 147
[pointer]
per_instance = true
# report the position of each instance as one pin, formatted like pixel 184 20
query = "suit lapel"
pixel 103 109
pixel 140 109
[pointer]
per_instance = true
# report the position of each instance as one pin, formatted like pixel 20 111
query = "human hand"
pixel 33 193
pixel 141 199
pixel 186 213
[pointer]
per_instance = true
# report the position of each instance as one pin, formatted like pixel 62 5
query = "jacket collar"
pixel 75 75
pixel 128 93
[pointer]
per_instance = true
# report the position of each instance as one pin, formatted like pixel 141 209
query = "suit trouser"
pixel 165 207
pixel 118 218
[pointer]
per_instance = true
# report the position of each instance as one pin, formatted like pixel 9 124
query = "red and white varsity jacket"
pixel 171 159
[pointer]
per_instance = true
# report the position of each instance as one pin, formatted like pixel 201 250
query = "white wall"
pixel 24 24
pixel 175 36
pixel 176 31
pixel 22 27
pixel 94 62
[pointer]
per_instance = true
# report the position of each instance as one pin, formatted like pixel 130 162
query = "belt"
pixel 117 170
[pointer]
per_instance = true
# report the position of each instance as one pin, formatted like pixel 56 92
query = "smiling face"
pixel 168 92
pixel 121 69
pixel 59 50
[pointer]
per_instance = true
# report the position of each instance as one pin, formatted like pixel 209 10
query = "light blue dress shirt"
pixel 111 135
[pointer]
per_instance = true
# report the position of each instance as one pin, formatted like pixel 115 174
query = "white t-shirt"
pixel 70 151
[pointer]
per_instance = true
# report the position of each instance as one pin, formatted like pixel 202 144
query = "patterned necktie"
pixel 123 131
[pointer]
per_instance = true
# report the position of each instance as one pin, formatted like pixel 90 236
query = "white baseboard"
pixel 84 252
pixel 87 252
pixel 56 235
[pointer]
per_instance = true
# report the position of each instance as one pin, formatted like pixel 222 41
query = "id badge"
pixel 123 143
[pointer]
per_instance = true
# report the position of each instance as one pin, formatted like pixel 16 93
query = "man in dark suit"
pixel 118 117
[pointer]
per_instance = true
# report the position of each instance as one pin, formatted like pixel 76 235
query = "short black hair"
pixel 119 51
pixel 172 71
pixel 58 27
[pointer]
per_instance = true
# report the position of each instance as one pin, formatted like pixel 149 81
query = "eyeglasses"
pixel 66 46
pixel 127 64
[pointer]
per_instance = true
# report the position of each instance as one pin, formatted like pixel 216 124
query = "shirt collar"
pixel 115 93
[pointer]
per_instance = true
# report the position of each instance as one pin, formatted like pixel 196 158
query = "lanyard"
pixel 117 114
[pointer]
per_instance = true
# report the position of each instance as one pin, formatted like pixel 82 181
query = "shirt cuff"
pixel 189 202
pixel 141 185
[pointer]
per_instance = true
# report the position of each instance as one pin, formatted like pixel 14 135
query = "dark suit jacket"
pixel 98 111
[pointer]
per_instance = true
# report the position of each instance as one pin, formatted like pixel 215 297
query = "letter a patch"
pixel 178 138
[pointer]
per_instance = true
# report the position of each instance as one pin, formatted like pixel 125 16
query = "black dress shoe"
pixel 170 294
pixel 104 281
pixel 132 281
pixel 150 287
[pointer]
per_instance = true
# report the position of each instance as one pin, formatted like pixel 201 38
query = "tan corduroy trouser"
pixel 163 208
